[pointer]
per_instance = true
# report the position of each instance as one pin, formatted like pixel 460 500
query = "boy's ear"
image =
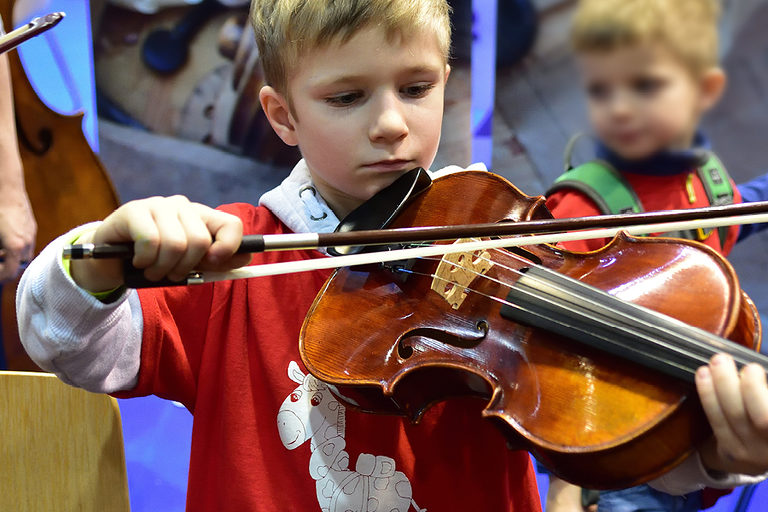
pixel 447 71
pixel 278 113
pixel 712 87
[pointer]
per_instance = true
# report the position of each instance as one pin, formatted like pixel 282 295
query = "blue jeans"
pixel 647 499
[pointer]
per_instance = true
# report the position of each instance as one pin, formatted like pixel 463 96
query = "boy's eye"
pixel 344 99
pixel 597 91
pixel 417 90
pixel 647 85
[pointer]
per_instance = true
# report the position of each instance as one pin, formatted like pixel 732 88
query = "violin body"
pixel 395 343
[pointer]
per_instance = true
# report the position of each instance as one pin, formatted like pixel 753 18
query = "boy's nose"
pixel 621 104
pixel 388 123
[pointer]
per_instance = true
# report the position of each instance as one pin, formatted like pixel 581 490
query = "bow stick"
pixel 301 241
pixel 35 27
pixel 288 267
pixel 699 218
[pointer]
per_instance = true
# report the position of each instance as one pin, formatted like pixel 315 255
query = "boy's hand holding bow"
pixel 172 236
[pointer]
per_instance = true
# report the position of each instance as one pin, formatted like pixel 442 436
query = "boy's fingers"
pixel 227 232
pixel 755 391
pixel 728 388
pixel 132 222
pixel 198 240
pixel 708 398
pixel 724 405
pixel 726 437
pixel 172 235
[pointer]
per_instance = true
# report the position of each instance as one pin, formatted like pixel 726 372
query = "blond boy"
pixel 358 86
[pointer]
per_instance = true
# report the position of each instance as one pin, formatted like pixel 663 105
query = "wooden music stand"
pixel 61 448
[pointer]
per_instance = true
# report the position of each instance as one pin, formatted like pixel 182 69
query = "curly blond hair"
pixel 285 29
pixel 688 28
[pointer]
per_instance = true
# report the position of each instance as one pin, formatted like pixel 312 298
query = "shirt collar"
pixel 298 205
pixel 664 163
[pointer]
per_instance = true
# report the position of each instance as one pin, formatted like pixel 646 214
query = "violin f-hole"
pixel 467 339
pixel 44 139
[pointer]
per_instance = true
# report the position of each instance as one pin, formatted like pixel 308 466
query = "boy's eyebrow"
pixel 343 79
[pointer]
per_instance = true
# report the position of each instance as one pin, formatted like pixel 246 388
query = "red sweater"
pixel 267 436
pixel 655 193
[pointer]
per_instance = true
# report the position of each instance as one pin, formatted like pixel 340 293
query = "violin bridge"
pixel 456 271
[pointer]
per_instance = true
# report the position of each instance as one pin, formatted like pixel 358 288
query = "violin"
pixel 584 359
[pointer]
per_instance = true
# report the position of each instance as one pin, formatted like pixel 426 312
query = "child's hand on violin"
pixel 736 404
pixel 171 236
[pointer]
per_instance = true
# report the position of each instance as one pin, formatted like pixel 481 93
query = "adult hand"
pixel 17 230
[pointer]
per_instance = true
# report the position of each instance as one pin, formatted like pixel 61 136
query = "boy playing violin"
pixel 358 85
pixel 650 71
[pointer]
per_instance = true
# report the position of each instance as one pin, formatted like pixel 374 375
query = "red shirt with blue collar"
pixel 665 181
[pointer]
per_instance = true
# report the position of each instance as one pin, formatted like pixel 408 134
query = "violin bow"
pixel 534 232
pixel 35 27
pixel 714 216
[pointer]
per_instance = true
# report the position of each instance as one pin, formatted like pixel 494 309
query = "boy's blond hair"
pixel 687 28
pixel 286 29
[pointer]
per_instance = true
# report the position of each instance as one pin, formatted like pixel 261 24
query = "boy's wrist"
pixel 718 465
pixel 96 276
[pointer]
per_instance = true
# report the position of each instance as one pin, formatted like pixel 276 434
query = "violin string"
pixel 685 345
pixel 680 349
pixel 625 347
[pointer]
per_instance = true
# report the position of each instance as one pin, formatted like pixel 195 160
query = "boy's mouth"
pixel 390 165
pixel 627 136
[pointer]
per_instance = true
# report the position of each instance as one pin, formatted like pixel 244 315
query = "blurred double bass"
pixel 66 182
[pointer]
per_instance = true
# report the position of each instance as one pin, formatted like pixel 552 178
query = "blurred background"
pixel 168 89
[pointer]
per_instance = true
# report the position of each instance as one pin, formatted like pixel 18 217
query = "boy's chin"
pixel 635 153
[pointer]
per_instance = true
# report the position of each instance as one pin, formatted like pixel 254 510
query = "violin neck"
pixel 548 300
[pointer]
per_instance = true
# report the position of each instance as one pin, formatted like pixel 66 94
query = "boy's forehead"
pixel 361 53
pixel 374 38
pixel 627 57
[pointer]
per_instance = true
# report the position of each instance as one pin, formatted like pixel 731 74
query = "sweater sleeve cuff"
pixel 69 332
pixel 691 476
pixel 105 296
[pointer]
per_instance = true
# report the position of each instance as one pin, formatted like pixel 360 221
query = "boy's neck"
pixel 663 163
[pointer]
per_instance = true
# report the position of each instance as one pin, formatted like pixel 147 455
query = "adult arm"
pixel 17 223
